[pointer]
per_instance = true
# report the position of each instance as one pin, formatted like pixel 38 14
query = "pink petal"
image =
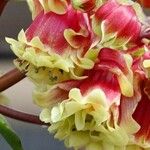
pixel 50 28
pixel 106 9
pixel 141 114
pixel 120 19
pixel 38 7
pixel 111 59
pixel 104 80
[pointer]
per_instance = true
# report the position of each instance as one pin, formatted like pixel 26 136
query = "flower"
pixel 91 109
pixel 55 41
pixel 90 63
pixel 118 24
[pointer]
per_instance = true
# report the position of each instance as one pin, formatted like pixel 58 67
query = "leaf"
pixel 9 135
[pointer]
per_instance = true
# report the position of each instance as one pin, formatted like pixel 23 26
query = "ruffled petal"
pixel 89 112
pixel 56 6
pixel 142 137
pixel 49 96
pixel 40 47
pixel 106 23
pixel 120 64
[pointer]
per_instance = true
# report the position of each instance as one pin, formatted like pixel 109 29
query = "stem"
pixel 20 115
pixel 2 5
pixel 10 78
pixel 6 81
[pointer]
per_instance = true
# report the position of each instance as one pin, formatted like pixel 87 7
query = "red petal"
pixel 119 18
pixel 101 79
pixel 142 112
pixel 106 9
pixel 111 59
pixel 50 28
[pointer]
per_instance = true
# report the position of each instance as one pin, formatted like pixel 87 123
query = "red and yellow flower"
pixel 55 41
pixel 90 62
pixel 90 108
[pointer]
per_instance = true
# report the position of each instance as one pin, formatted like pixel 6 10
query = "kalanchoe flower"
pixel 56 6
pixel 55 41
pixel 87 114
pixel 117 23
pixel 91 109
pixel 119 64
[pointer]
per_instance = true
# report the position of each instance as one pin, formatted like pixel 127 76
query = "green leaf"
pixel 9 135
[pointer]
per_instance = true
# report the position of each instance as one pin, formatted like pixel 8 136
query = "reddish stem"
pixel 20 115
pixel 2 5
pixel 6 81
pixel 10 78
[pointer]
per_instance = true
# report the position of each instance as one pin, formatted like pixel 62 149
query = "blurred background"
pixel 15 17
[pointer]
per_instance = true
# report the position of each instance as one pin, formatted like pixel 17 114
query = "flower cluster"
pixel 90 63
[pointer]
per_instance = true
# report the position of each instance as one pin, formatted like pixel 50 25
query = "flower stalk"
pixel 14 114
pixel 10 78
pixel 2 5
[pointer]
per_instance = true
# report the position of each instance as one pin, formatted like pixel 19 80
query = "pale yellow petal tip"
pixel 22 37
pixel 83 62
pixel 126 86
pixel 8 40
pixel 59 7
pixel 69 35
pixel 56 114
pixel 146 63
pixel 45 115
